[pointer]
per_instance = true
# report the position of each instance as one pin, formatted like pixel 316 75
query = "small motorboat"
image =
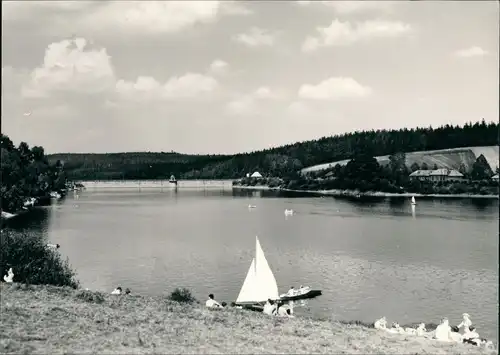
pixel 288 212
pixel 300 294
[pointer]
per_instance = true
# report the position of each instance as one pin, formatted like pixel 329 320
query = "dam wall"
pixel 157 184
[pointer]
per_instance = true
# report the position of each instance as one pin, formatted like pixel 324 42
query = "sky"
pixel 227 77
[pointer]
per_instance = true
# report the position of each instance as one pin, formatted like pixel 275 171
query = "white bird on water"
pixel 9 278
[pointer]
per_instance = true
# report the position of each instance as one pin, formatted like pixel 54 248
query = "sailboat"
pixel 260 283
pixel 413 202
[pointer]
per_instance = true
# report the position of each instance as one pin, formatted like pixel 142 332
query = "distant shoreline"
pixel 351 193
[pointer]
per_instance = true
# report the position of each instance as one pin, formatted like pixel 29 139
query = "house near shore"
pixel 256 175
pixel 495 177
pixel 437 175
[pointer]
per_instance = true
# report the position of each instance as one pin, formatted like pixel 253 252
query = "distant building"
pixel 494 177
pixel 256 175
pixel 421 175
pixel 437 175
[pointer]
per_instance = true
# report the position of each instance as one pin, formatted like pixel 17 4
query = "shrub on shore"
pixel 32 262
pixel 182 295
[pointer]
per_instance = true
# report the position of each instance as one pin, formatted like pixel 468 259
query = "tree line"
pixel 26 172
pixel 281 161
pixel 363 173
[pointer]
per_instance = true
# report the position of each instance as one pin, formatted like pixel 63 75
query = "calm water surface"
pixel 370 258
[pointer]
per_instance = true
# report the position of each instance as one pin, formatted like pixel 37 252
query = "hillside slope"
pixel 49 320
pixel 280 161
pixel 444 158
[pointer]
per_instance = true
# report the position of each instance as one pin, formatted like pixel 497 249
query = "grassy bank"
pixel 49 319
pixel 352 193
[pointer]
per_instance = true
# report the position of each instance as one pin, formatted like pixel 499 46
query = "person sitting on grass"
pixel 117 291
pixel 211 303
pixel 472 337
pixel 443 331
pixel 381 323
pixel 455 334
pixel 284 311
pixel 269 307
pixel 421 330
pixel 466 322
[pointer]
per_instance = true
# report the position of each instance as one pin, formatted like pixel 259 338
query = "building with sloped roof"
pixel 437 175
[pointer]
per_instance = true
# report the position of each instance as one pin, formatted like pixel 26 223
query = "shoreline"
pixel 352 193
pixel 49 319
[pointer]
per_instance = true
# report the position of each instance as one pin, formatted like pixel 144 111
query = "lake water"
pixel 370 258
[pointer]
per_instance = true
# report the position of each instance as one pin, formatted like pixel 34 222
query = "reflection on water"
pixel 370 257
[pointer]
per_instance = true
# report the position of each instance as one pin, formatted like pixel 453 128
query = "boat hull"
pixel 304 296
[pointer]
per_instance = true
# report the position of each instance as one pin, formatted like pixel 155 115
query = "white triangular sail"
pixel 268 287
pixel 247 290
pixel 413 200
pixel 260 283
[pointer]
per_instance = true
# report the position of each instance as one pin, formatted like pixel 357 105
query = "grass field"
pixel 446 158
pixel 50 320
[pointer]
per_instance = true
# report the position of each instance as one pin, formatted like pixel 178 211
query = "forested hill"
pixel 281 161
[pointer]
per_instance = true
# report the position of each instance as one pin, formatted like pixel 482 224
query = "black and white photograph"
pixel 249 177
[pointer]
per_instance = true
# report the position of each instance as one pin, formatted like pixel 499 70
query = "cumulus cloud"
pixel 265 92
pixel 186 86
pixel 471 52
pixel 352 7
pixel 110 17
pixel 248 103
pixel 23 10
pixel 344 33
pixel 154 16
pixel 334 89
pixel 71 66
pixel 74 67
pixel 218 66
pixel 256 37
pixel 235 8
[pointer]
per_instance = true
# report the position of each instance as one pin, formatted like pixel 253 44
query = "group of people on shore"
pixel 443 332
pixel 271 307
